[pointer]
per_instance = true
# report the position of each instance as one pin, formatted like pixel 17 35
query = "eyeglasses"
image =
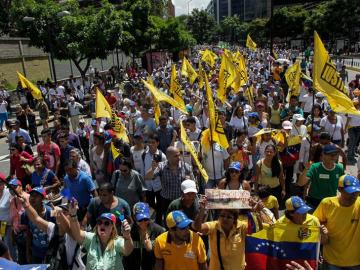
pixel 226 216
pixel 106 223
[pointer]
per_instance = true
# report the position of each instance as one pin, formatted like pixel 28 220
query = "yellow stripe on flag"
pixel 190 147
pixel 227 75
pixel 292 76
pixel 328 81
pixel 188 71
pixel 115 153
pixel 175 87
pixel 102 107
pixel 25 83
pixel 161 96
pixel 250 43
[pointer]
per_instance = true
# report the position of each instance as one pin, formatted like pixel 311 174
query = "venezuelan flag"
pixel 277 245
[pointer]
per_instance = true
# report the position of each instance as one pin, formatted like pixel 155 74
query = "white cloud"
pixel 181 6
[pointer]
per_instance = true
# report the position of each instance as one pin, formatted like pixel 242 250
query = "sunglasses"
pixel 233 171
pixel 105 222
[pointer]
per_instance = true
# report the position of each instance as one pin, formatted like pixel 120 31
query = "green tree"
pixel 230 27
pixel 5 7
pixel 258 30
pixel 201 25
pixel 84 35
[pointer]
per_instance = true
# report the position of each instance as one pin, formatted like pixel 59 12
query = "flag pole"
pixel 312 118
pixel 212 148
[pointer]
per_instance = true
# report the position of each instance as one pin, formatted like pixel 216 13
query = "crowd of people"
pixel 68 196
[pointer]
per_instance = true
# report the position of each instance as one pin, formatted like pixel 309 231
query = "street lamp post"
pixel 188 5
pixel 60 14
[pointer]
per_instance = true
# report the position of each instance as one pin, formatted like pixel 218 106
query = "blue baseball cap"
pixel 15 182
pixel 108 216
pixel 295 203
pixel 141 211
pixel 177 219
pixel 38 190
pixel 349 183
pixel 253 115
pixel 329 149
pixel 235 166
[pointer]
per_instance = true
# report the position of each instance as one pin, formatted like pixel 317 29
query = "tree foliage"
pixel 84 35
pixel 201 25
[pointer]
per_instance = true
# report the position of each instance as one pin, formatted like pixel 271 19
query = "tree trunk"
pixel 82 71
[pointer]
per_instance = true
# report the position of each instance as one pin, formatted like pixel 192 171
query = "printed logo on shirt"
pixel 189 255
pixel 324 176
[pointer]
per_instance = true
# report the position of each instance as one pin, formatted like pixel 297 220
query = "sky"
pixel 181 6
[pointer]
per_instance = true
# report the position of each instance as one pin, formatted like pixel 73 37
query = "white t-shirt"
pixel 137 159
pixel 60 90
pixel 216 168
pixel 155 184
pixel 5 205
pixel 239 123
pixel 333 129
pixel 354 121
pixel 3 107
pixel 308 103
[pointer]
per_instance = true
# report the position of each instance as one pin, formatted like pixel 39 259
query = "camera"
pixel 157 158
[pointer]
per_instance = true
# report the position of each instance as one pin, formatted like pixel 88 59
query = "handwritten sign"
pixel 227 199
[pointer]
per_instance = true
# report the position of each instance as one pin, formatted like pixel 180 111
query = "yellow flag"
pixel 216 128
pixel 209 58
pixel 175 87
pixel 327 80
pixel 119 128
pixel 292 76
pixel 227 75
pixel 25 83
pixel 249 94
pixel 188 71
pixel 250 43
pixel 161 96
pixel 276 56
pixel 242 71
pixel 190 147
pixel 201 73
pixel 102 107
pixel 157 110
pixel 115 153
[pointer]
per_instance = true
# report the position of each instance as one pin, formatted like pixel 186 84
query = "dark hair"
pixel 154 137
pixel 191 119
pixel 294 97
pixel 234 212
pixel 46 131
pixel 16 146
pixel 107 187
pixel 163 117
pixel 275 163
pixel 239 133
pixel 126 163
pixel 264 191
pixel 17 137
pixel 317 106
pixel 288 214
pixel 70 164
pixel 41 159
pixel 63 135
pixel 325 136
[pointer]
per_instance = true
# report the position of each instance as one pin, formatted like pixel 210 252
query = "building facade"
pixel 247 10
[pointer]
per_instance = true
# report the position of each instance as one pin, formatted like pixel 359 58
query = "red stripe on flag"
pixel 256 261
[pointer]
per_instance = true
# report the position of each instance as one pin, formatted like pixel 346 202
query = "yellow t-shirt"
pixel 343 224
pixel 310 220
pixel 232 247
pixel 186 256
pixel 271 202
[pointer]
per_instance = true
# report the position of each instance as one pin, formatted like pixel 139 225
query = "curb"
pixel 353 69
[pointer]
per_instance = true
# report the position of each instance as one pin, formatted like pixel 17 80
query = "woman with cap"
pixel 143 232
pixel 234 179
pixel 254 123
pixel 19 158
pixel 298 127
pixel 104 246
pixel 269 171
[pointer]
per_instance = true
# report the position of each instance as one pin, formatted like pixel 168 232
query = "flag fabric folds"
pixel 227 76
pixel 115 153
pixel 25 83
pixel 328 81
pixel 161 96
pixel 188 71
pixel 250 43
pixel 209 58
pixel 157 110
pixel 102 107
pixel 277 245
pixel 217 133
pixel 119 128
pixel 175 87
pixel 190 147
pixel 249 94
pixel 292 76
pixel 10 265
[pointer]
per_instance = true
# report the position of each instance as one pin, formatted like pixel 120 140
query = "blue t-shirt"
pixel 46 177
pixel 40 241
pixel 80 188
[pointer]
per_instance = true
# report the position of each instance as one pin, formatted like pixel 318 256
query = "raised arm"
pixel 77 233
pixel 34 217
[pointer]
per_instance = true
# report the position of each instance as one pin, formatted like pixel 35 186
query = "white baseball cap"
pixel 298 117
pixel 188 186
pixel 286 125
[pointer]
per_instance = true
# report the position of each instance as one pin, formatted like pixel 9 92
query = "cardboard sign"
pixel 227 199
